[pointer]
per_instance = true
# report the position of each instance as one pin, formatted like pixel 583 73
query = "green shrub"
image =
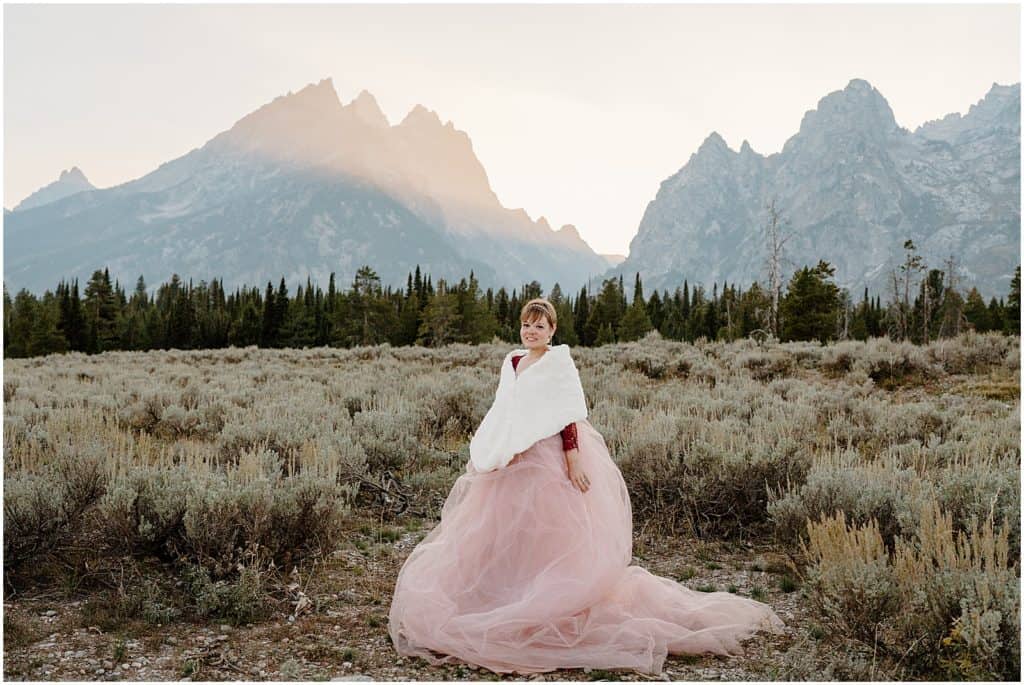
pixel 238 601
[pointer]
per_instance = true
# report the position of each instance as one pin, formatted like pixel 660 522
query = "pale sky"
pixel 577 112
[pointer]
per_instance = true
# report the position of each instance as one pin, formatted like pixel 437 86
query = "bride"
pixel 529 568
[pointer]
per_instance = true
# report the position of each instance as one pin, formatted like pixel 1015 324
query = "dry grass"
pixel 180 460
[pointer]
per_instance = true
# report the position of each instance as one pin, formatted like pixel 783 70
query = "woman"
pixel 529 568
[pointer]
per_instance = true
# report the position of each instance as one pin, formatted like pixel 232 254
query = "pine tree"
pixel 581 315
pixel 72 321
pixel 995 315
pixel 710 323
pixel 565 333
pixel 247 329
pixel 8 318
pixel 976 312
pixel 268 329
pixel 181 323
pixel 18 327
pixel 477 325
pixel 1013 305
pixel 502 309
pixel 655 310
pixel 605 336
pixel 810 308
pixel 672 325
pixel 46 335
pixel 440 319
pixel 635 322
pixel 101 313
pixel 605 312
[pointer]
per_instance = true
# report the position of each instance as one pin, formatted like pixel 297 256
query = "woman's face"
pixel 536 334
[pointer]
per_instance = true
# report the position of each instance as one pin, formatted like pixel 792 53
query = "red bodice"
pixel 569 432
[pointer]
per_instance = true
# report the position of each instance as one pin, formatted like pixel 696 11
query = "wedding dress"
pixel 525 573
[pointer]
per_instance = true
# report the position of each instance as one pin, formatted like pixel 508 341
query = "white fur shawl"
pixel 545 398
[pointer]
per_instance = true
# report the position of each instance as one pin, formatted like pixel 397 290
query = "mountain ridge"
pixel 310 142
pixel 854 185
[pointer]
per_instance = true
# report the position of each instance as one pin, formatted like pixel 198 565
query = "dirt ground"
pixel 340 632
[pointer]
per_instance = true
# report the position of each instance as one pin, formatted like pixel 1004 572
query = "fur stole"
pixel 545 398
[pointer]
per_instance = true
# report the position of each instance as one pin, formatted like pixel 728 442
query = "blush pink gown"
pixel 525 573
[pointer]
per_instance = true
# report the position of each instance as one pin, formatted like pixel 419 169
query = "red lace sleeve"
pixel 569 441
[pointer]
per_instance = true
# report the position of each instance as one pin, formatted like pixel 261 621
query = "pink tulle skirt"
pixel 525 573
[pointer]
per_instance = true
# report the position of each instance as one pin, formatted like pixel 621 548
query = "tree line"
pixel 202 316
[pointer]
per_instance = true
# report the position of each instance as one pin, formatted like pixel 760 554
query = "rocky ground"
pixel 338 626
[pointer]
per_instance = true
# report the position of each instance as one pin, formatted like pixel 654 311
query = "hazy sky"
pixel 577 112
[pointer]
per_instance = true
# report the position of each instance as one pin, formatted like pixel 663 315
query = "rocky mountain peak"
pixel 69 182
pixel 320 96
pixel 303 185
pixel 421 117
pixel 857 107
pixel 999 102
pixel 570 231
pixel 365 108
pixel 853 189
pixel 714 141
pixel 999 107
pixel 292 125
pixel 713 155
pixel 73 174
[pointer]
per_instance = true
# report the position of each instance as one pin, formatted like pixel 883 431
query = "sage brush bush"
pixel 244 460
pixel 257 510
pixel 44 510
pixel 973 353
pixel 949 601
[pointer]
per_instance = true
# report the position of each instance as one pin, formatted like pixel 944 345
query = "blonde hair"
pixel 537 308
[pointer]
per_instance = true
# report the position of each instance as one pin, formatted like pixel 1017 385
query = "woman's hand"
pixel 576 474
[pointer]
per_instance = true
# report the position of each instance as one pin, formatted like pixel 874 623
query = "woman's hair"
pixel 536 308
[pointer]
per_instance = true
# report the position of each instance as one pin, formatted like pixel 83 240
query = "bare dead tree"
pixel 927 308
pixel 911 264
pixel 845 334
pixel 776 237
pixel 897 326
pixel 728 316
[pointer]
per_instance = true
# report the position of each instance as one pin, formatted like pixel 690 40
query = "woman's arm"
pixel 572 458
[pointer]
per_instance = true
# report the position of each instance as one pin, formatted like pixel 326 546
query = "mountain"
pixel 71 181
pixel 304 185
pixel 614 259
pixel 853 185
